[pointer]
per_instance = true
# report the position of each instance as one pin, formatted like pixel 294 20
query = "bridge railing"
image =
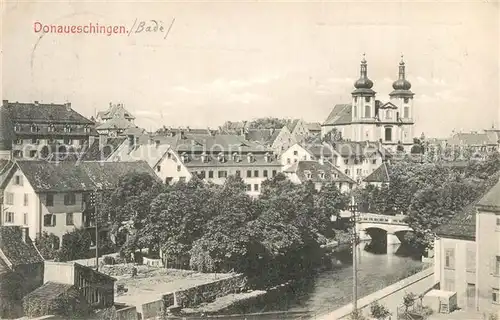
pixel 374 218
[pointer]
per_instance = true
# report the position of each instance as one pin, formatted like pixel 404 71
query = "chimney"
pixel 25 234
pixel 36 103
pixel 68 106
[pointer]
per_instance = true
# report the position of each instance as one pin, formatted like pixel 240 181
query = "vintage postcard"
pixel 250 160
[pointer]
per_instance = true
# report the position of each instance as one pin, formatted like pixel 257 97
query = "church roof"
pixel 341 114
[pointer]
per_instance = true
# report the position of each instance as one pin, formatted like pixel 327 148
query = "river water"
pixel 331 289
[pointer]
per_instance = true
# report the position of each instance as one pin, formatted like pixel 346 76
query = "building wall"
pixel 488 244
pixel 32 275
pixel 171 167
pixel 59 272
pixel 60 210
pixel 457 272
pixel 357 168
pixel 295 154
pixel 283 141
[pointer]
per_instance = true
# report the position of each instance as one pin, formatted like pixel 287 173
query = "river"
pixel 331 289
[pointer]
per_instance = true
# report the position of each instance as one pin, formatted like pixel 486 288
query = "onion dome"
pixel 363 82
pixel 401 83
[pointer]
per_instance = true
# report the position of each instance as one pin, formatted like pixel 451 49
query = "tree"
pixel 75 245
pixel 268 123
pixel 47 244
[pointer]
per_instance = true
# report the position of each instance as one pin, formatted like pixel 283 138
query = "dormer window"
pixel 267 157
pixel 51 128
pixel 236 157
pixel 308 174
pixel 335 175
pixel 67 128
pixel 250 157
pixel 34 128
pixel 221 157
pixel 17 127
pixel 321 175
pixel 204 157
pixel 86 129
pixel 184 157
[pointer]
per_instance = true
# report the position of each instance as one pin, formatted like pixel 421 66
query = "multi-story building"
pixel 278 140
pixel 467 254
pixel 37 129
pixel 54 197
pixel 369 119
pixel 211 157
pixel 320 173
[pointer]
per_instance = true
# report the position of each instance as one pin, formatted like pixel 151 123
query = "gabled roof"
pixel 98 152
pixel 115 110
pixel 48 292
pixel 78 176
pixel 387 105
pixel 292 124
pixel 381 174
pixel 319 150
pixel 264 136
pixel 314 126
pixel 17 251
pixel 315 169
pixel 491 200
pixel 116 124
pixel 37 112
pixel 359 149
pixel 341 114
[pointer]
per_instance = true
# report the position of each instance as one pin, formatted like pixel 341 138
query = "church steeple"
pixel 401 86
pixel 363 85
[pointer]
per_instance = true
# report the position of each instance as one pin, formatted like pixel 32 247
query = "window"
pixel 288 161
pixel 210 174
pixel 249 187
pixel 35 141
pixel 374 161
pixel 69 199
pixel 18 153
pixel 367 99
pixel 358 171
pixel 25 218
pixel 308 174
pixel 237 173
pixel 169 155
pixel 347 172
pixel 449 261
pixel 449 284
pixel 346 161
pixel 32 153
pixel 178 168
pixel 26 199
pixel 368 112
pixel 49 220
pixel 249 173
pixel 68 141
pixel 406 100
pixel 34 128
pixel 158 168
pixel 222 174
pixel 471 259
pixel 69 219
pixel 274 173
pixel 356 161
pixel 497 265
pixel 295 153
pixel 355 108
pixel 264 173
pixel 49 200
pixel 255 187
pixel 19 141
pixel 340 185
pixel 406 112
pixel 495 295
pixel 9 198
pixel 388 114
pixel 9 217
pixel 18 180
pixel 168 180
pixel 388 134
pixel 202 174
pixel 51 128
pixel 256 173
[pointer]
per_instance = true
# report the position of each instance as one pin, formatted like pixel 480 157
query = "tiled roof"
pixel 217 143
pixel 319 150
pixel 151 153
pixel 6 130
pixel 491 201
pixel 461 226
pixel 115 110
pixel 15 249
pixel 381 174
pixel 472 139
pixel 291 124
pixel 314 126
pixel 48 292
pixel 54 113
pixel 315 168
pixel 4 169
pixel 78 176
pixel 4 269
pixel 97 152
pixel 116 123
pixel 341 114
pixel 265 136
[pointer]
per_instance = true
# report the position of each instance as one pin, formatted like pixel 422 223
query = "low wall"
pixel 418 283
pixel 128 313
pixel 152 309
pixel 91 261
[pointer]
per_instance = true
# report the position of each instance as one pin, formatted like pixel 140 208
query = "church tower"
pixel 363 105
pixel 402 98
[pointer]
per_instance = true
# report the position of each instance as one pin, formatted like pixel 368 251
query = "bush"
pixel 379 311
pixel 357 315
pixel 48 245
pixel 75 245
pixel 409 300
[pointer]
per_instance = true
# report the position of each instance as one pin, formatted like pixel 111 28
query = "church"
pixel 369 119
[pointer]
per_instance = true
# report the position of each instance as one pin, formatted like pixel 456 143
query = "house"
pixel 360 159
pixel 277 140
pixel 319 173
pixel 467 254
pixel 103 148
pixel 378 177
pixel 96 287
pixel 479 142
pixel 55 196
pixel 114 111
pixel 38 128
pixel 314 128
pixel 298 128
pixel 21 269
pixel 171 132
pixel 368 119
pixel 6 134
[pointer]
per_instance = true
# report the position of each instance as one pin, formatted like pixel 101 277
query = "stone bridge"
pixel 369 224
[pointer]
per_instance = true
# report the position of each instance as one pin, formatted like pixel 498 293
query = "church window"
pixel 367 112
pixel 388 134
pixel 406 112
pixel 367 99
pixel 388 114
pixel 355 99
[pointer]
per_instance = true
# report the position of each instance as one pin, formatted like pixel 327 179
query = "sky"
pixel 243 60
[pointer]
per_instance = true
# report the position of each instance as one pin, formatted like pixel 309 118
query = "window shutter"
pixel 53 219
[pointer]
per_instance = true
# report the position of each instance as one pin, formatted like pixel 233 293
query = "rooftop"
pixel 381 174
pixel 48 292
pixel 42 112
pixel 16 250
pixel 318 172
pixel 341 114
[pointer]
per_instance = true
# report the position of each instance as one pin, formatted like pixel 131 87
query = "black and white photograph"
pixel 250 160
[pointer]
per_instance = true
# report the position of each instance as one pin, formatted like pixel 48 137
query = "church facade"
pixel 368 119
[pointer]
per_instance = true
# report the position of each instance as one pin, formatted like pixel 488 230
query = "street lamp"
pixel 353 208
